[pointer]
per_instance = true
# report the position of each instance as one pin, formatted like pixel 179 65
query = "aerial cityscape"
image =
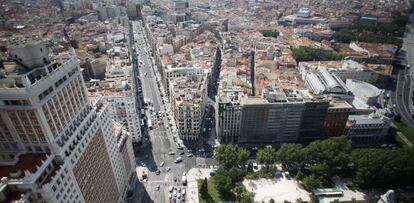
pixel 206 101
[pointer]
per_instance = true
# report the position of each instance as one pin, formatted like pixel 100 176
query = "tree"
pixel 383 168
pixel 229 156
pixel 223 181
pixel 310 54
pixel 319 169
pixel 334 152
pixel 311 182
pixel 270 33
pixel 271 200
pixel 204 187
pixel 238 190
pixel 247 197
pixel 344 35
pixel 291 155
pixel 267 156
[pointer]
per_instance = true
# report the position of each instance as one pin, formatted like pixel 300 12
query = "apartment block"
pixel 188 96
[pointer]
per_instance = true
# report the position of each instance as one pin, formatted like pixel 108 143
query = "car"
pixel 184 173
pixel 170 196
pixel 157 187
pixel 158 172
pixel 181 153
pixel 183 192
pixel 179 195
pixel 175 193
pixel 168 169
pixel 171 153
pixel 189 155
pixel 162 164
pixel 171 188
pixel 178 160
pixel 175 179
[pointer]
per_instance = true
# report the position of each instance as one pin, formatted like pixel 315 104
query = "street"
pixel 403 92
pixel 160 131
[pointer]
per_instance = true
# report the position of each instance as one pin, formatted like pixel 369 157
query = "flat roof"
pixel 27 162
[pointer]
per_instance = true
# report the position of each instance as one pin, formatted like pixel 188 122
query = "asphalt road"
pixel 161 135
pixel 403 92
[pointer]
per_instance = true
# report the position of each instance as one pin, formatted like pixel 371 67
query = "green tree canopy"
pixel 334 152
pixel 291 155
pixel 383 168
pixel 229 156
pixel 310 54
pixel 270 33
pixel 311 182
pixel 267 156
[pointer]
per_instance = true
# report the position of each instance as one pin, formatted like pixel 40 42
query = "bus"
pixel 184 180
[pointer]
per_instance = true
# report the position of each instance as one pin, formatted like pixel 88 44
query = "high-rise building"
pixel 57 144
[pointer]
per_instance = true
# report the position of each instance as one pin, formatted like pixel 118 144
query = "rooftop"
pixel 26 162
pixel 188 89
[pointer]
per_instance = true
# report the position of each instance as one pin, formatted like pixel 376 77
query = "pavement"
pixel 348 194
pixel 193 175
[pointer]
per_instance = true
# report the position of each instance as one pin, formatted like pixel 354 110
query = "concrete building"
pixel 368 93
pixel 336 118
pixel 173 72
pixel 281 116
pixel 278 116
pixel 36 54
pixel 367 130
pixel 322 82
pixel 303 17
pixel 56 144
pixel 96 67
pixel 228 110
pixel 376 74
pixel 188 96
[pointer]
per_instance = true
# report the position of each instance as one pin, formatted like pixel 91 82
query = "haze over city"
pixel 206 101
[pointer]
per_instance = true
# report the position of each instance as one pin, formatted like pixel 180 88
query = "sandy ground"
pixel 280 189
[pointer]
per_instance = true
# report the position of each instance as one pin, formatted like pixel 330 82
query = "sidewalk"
pixel 193 175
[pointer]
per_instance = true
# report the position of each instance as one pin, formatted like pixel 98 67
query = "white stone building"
pixel 188 96
pixel 57 144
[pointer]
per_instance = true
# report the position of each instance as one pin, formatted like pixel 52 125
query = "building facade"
pixel 278 116
pixel 57 144
pixel 367 130
pixel 336 118
pixel 188 96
